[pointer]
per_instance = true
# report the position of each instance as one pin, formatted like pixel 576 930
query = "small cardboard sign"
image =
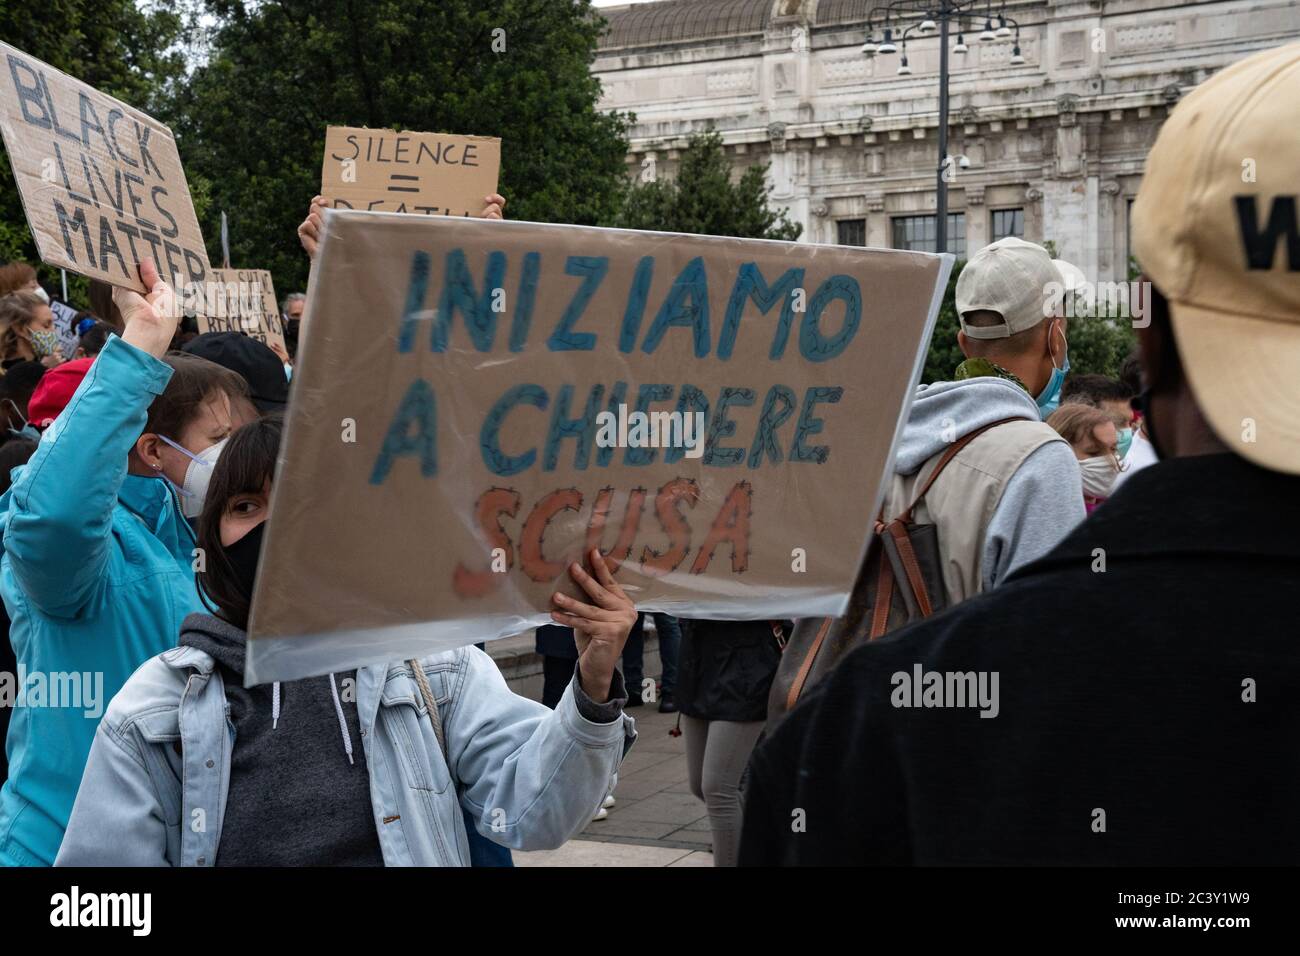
pixel 242 300
pixel 101 182
pixel 480 403
pixel 64 316
pixel 437 174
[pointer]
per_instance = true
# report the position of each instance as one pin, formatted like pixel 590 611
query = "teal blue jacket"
pixel 96 569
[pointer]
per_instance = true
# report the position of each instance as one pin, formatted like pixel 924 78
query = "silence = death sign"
pixel 101 182
pixel 431 173
pixel 242 300
pixel 491 399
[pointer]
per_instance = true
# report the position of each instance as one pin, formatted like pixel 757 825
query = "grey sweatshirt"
pixel 1042 502
pixel 299 785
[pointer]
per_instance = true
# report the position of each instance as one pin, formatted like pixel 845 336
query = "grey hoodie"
pixel 1041 503
pixel 299 787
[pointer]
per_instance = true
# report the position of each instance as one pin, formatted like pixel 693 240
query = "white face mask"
pixel 197 476
pixel 1098 475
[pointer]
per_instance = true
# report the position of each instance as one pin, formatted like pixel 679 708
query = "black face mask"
pixel 243 556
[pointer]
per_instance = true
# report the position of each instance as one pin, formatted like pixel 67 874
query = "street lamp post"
pixel 940 185
pixel 898 20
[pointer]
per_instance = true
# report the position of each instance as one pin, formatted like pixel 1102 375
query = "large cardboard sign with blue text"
pixel 101 182
pixel 478 403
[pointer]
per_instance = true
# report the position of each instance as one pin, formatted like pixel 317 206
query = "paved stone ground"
pixel 655 820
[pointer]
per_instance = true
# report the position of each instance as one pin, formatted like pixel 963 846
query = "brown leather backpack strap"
pixel 949 454
pixel 911 567
pixel 801 678
pixel 884 597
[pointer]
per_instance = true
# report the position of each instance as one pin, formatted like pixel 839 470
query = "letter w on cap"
pixel 1261 248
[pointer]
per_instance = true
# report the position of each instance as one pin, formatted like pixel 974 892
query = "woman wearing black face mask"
pixel 350 768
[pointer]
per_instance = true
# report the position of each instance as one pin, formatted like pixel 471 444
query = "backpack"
pixel 901 581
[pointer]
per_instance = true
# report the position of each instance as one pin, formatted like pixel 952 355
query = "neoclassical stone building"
pixel 1055 145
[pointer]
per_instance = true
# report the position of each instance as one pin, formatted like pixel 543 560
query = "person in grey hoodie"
pixel 1014 491
pixel 191 768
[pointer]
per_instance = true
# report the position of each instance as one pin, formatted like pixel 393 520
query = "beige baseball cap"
pixel 1013 278
pixel 1215 228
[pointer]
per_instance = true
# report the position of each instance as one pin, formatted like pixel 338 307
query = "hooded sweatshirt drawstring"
pixel 338 709
pixel 343 723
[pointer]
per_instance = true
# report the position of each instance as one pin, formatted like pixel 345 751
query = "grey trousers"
pixel 716 754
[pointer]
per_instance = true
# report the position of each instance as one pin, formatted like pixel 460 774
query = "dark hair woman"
pixel 381 765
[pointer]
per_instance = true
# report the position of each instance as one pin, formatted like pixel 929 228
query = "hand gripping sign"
pixel 479 402
pixel 101 182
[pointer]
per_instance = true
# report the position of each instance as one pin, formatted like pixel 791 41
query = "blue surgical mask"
pixel 1125 442
pixel 1049 399
pixel 28 430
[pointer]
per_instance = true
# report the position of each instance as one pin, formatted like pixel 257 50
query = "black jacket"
pixel 725 669
pixel 1120 693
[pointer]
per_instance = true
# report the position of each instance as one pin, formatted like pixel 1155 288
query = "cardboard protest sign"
pixel 478 403
pixel 431 173
pixel 101 182
pixel 242 300
pixel 64 316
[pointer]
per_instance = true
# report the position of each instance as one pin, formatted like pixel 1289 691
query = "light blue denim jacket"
pixel 529 776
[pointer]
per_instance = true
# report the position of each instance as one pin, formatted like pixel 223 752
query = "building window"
pixel 852 232
pixel 1008 222
pixel 916 233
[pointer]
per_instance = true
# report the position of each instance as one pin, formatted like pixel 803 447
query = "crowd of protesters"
pixel 1143 687
pixel 1116 553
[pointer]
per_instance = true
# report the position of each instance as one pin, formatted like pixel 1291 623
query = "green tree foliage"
pixel 1098 345
pixel 124 48
pixel 702 199
pixel 944 356
pixel 251 120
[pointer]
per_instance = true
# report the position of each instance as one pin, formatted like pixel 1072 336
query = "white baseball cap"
pixel 1015 279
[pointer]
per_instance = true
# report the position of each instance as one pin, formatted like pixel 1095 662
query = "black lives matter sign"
pixel 242 300
pixel 101 182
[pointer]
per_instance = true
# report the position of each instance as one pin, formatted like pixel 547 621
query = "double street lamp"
pixel 898 20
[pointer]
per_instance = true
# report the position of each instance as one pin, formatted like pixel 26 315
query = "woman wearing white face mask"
pixel 1092 435
pixel 97 562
